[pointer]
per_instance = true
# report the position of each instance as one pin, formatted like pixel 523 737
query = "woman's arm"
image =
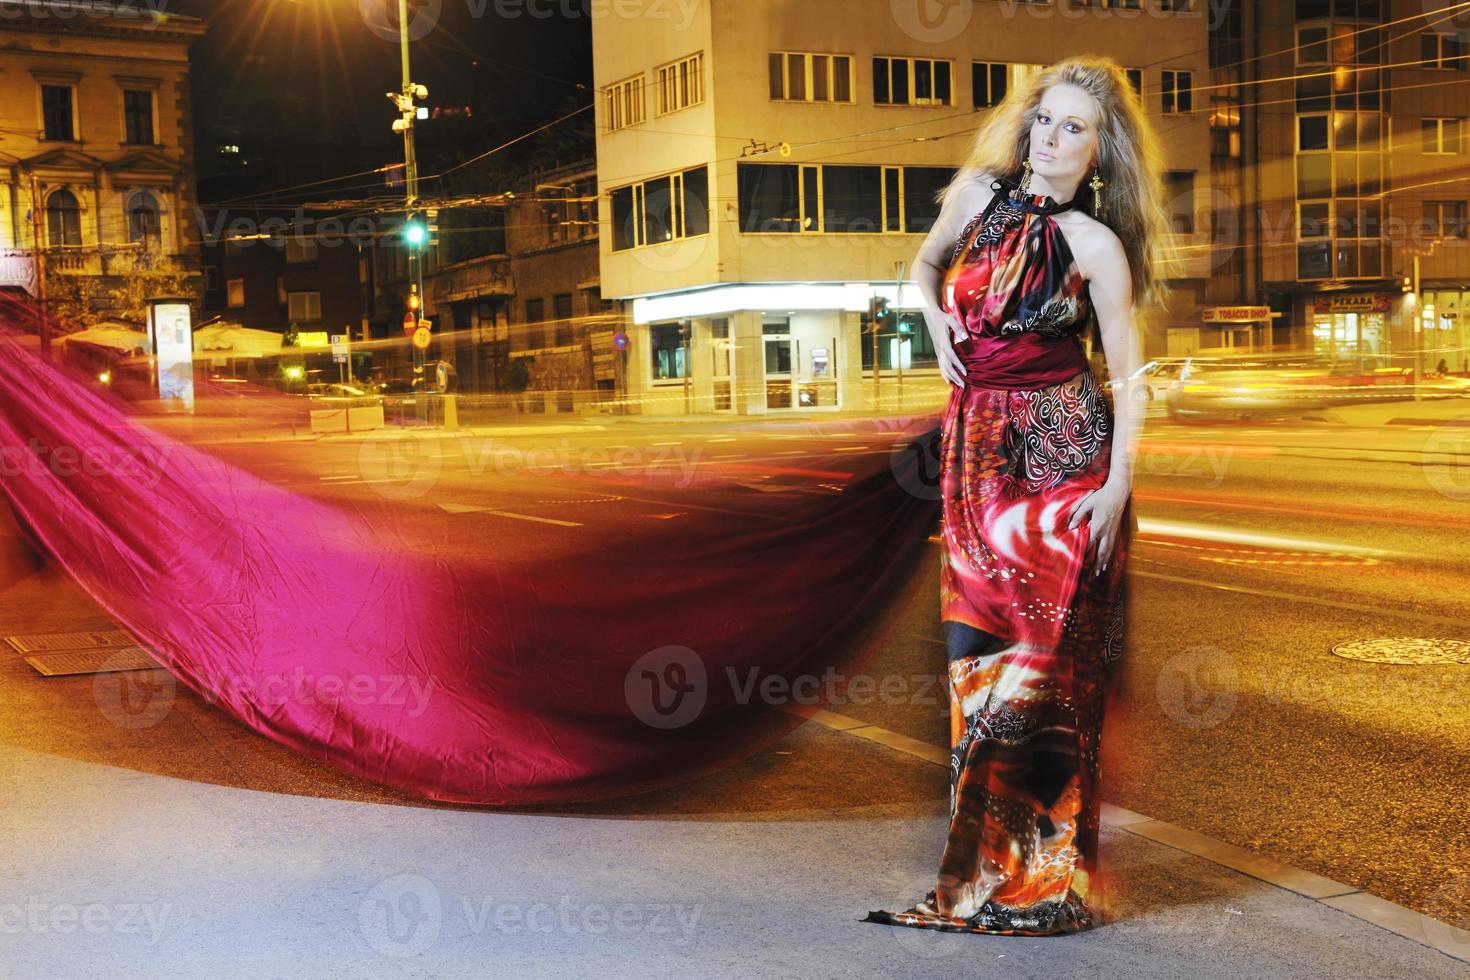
pixel 929 267
pixel 1111 288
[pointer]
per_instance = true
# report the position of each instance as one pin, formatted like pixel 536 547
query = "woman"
pixel 1063 183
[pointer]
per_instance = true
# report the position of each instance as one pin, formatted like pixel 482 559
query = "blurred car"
pixel 339 393
pixel 1156 376
pixel 1267 386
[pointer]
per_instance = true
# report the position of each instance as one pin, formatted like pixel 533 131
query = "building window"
pixel 302 249
pixel 1225 127
pixel 798 76
pixel 1105 4
pixel 236 293
pixel 304 306
pixel 623 103
pixel 1179 186
pixel 1447 51
pixel 838 199
pixel 1178 91
pixel 1445 219
pixel 143 217
pixel 63 219
pixel 561 309
pixel 1340 239
pixel 669 346
pixel 1441 135
pixel 535 323
pixel 912 81
pixel 1311 46
pixel 680 84
pixel 1135 78
pixel 990 80
pixel 56 112
pixel 661 209
pixel 138 117
pixel 1178 6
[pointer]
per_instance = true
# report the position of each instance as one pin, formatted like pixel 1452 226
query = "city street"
pixel 1262 545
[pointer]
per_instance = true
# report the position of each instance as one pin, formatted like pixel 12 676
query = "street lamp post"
pixel 406 102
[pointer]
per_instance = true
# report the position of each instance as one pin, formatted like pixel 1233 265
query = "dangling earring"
pixel 1097 185
pixel 1026 179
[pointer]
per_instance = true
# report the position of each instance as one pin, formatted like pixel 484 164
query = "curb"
pixel 1433 933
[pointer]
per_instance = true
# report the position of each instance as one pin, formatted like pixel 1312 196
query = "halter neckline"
pixel 1034 203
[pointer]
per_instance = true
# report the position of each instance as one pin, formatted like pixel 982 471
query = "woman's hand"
pixel 940 324
pixel 1103 509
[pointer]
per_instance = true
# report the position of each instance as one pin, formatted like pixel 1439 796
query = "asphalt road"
pixel 1262 545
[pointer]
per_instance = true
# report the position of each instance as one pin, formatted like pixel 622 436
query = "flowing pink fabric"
pixel 522 675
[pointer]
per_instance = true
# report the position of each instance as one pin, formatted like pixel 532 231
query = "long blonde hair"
pixel 1129 160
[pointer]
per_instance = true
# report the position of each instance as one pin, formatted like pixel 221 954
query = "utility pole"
pixel 43 326
pixel 405 100
pixel 1418 333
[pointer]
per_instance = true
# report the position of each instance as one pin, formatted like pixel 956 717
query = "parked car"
pixel 1156 376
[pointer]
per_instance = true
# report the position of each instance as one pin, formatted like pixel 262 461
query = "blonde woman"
pixel 1051 228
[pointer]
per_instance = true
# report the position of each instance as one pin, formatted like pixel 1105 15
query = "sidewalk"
pixel 1430 411
pixel 187 845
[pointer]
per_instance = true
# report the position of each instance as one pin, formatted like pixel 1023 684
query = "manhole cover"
pixel 70 662
pixel 38 642
pixel 1406 650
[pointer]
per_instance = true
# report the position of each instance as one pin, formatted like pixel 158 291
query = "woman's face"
pixel 1064 135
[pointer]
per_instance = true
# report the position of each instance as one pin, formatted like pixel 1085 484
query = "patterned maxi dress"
pixel 1032 633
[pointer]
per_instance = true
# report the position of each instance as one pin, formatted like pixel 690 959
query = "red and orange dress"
pixel 1032 633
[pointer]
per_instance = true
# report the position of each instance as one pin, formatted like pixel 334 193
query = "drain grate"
pixel 63 663
pixel 1416 650
pixel 42 642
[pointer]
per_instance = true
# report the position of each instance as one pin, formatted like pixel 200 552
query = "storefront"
pixel 1244 328
pixel 1445 333
pixel 1351 327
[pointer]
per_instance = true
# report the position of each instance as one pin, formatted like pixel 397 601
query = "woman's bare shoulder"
pixel 1091 241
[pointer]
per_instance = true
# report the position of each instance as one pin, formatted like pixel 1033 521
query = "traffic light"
pixel 878 313
pixel 415 232
pixel 431 226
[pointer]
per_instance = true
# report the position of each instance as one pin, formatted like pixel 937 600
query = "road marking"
pixel 472 509
pixel 1180 529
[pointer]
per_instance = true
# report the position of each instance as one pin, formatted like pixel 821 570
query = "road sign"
pixel 339 347
pixel 410 323
pixel 422 338
pixel 620 340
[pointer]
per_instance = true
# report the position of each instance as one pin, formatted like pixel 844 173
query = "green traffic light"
pixel 415 233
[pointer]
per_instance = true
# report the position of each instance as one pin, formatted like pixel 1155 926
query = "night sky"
pixel 299 86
